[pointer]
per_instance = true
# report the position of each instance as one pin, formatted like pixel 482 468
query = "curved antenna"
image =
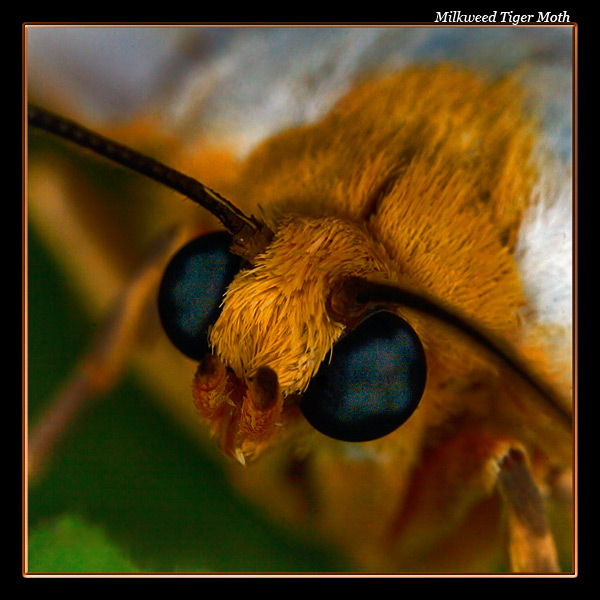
pixel 358 294
pixel 251 236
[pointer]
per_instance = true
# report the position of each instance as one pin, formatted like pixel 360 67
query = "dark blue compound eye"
pixel 373 383
pixel 192 290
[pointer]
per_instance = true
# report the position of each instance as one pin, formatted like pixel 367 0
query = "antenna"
pixel 250 236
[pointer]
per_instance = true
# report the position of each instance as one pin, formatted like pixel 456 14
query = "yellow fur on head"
pixel 275 314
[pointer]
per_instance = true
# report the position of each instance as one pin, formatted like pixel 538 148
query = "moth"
pixel 368 353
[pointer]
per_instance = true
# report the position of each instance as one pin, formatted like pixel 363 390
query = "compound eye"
pixel 192 289
pixel 373 383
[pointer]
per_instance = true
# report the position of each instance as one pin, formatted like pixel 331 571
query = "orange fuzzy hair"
pixel 419 178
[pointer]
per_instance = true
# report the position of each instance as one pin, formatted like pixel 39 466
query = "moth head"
pixel 275 344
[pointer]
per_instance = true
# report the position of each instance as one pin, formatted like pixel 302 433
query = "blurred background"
pixel 133 485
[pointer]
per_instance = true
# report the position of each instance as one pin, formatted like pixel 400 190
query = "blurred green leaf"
pixel 69 544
